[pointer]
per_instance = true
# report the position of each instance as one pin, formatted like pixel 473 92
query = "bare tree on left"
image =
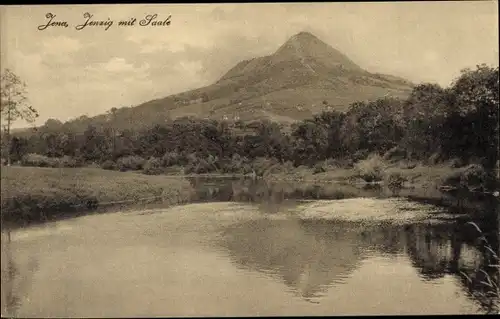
pixel 14 105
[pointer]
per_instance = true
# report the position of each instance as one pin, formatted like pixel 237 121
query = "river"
pixel 245 248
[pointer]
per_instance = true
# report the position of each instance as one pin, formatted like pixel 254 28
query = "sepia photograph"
pixel 250 159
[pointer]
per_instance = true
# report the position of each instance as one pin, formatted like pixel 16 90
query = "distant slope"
pixel 303 77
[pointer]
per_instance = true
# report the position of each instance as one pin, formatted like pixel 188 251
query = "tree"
pixel 94 146
pixel 333 121
pixel 18 148
pixel 425 112
pixel 112 118
pixel 477 90
pixel 372 126
pixel 52 125
pixel 14 104
pixel 204 97
pixel 310 142
pixel 476 98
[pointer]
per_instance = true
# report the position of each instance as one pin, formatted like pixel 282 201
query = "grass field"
pixel 34 194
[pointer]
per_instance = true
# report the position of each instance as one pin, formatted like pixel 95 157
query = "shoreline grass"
pixel 420 176
pixel 35 194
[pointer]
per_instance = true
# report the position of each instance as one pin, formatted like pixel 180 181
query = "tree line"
pixel 433 124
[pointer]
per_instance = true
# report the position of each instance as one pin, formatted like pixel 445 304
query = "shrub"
pixel 53 162
pixel 93 165
pixel 204 167
pixel 192 158
pixel 127 163
pixel 333 163
pixel 236 165
pixel 288 166
pixel 262 165
pixel 452 179
pixel 407 165
pixel 204 98
pixel 246 168
pixel 476 160
pixel 38 160
pixel 170 159
pixel 200 166
pixel 190 168
pixel 236 157
pixel 360 155
pixel 232 167
pixel 395 153
pixel 212 159
pixel 68 161
pixel 394 182
pixel 456 162
pixel 319 168
pixel 275 168
pixel 109 165
pixel 473 175
pixel 371 169
pixel 344 163
pixel 434 159
pixel 213 162
pixel 80 161
pixel 153 166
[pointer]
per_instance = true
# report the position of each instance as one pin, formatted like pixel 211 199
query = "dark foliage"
pixel 457 125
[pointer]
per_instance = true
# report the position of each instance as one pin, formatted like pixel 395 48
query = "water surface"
pixel 243 248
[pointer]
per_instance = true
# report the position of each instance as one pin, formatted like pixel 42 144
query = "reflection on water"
pixel 260 191
pixel 311 256
pixel 253 257
pixel 16 278
pixel 308 260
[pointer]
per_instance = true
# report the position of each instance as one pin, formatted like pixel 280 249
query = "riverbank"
pixel 35 194
pixel 423 177
pixel 466 189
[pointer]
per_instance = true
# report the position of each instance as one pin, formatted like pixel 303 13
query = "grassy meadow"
pixel 34 194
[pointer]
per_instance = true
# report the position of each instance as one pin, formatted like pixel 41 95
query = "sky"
pixel 70 72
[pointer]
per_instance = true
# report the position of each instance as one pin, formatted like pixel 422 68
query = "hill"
pixel 303 77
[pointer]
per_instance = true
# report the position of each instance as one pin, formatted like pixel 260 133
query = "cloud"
pixel 71 72
pixel 60 45
pixel 30 68
pixel 190 69
pixel 161 47
pixel 118 65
